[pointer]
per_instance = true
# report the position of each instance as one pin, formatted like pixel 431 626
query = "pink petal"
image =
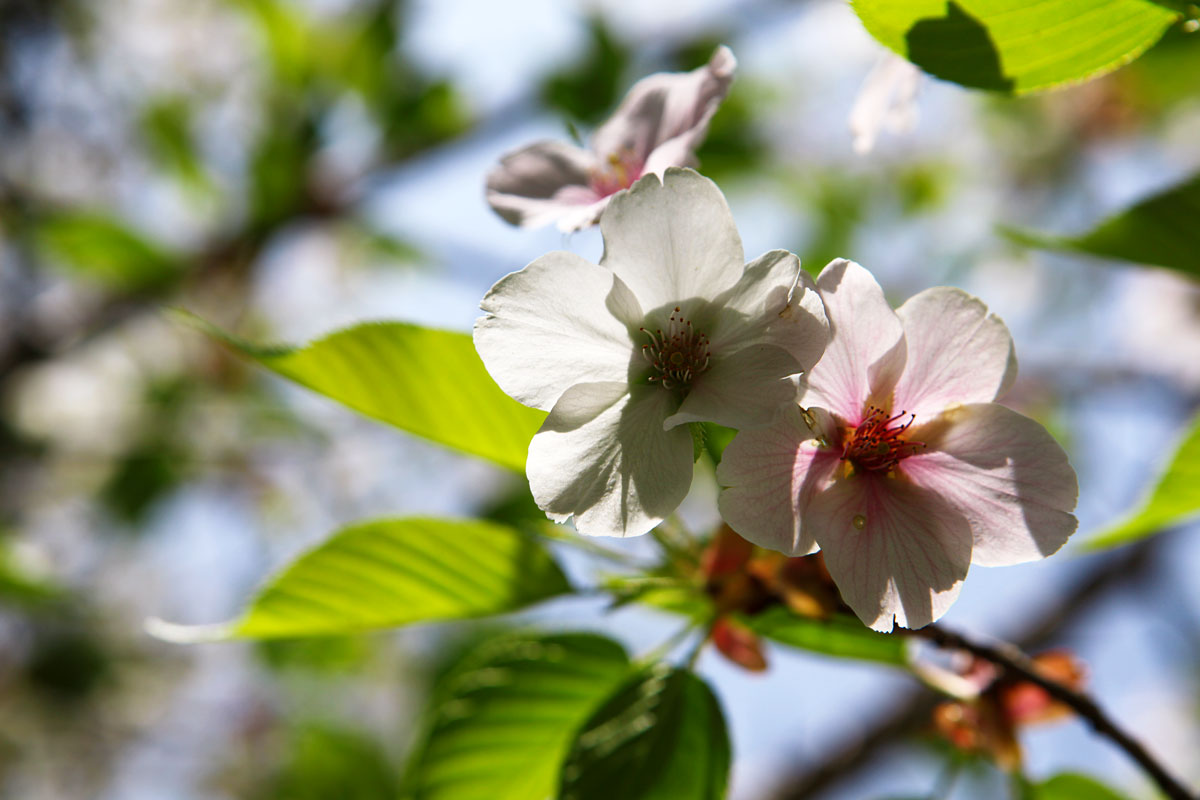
pixel 664 107
pixel 866 344
pixel 957 353
pixel 907 561
pixel 768 475
pixel 1005 474
pixel 542 183
pixel 603 457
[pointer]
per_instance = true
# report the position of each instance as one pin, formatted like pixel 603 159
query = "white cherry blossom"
pixel 671 327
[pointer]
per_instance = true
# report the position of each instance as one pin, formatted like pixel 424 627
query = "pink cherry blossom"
pixel 897 463
pixel 659 124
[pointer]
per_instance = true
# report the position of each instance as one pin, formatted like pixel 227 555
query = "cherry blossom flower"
pixel 659 124
pixel 902 470
pixel 670 328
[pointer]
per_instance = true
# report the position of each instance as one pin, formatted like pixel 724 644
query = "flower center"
pixel 678 355
pixel 878 443
pixel 623 168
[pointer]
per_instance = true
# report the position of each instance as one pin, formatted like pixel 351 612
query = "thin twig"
pixel 911 714
pixel 1015 662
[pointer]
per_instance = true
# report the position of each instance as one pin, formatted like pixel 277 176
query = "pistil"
pixel 878 443
pixel 678 356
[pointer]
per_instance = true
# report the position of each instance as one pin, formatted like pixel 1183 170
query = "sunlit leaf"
pixel 841 635
pixel 427 382
pixel 661 736
pixel 103 249
pixel 392 572
pixel 506 716
pixel 1016 46
pixel 1160 230
pixel 1068 786
pixel 1173 500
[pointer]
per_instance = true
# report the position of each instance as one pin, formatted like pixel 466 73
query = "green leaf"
pixel 427 382
pixel 1068 786
pixel 1173 500
pixel 1016 46
pixel 1160 230
pixel 507 715
pixel 105 250
pixel 167 128
pixel 392 572
pixel 841 635
pixel 660 736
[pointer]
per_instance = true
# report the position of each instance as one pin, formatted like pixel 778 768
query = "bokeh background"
pixel 287 167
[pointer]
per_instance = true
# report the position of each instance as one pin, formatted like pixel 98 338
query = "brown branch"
pixel 912 713
pixel 1016 663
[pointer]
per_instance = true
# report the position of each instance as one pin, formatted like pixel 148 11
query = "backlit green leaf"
pixel 427 382
pixel 1173 500
pixel 105 250
pixel 392 572
pixel 661 736
pixel 1073 787
pixel 841 635
pixel 506 716
pixel 1160 230
pixel 1016 46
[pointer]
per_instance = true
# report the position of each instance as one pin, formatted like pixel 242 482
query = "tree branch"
pixel 1016 663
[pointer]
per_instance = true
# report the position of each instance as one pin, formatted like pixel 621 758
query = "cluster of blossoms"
pixel 867 433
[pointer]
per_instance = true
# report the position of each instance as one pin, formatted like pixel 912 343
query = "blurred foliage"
pixel 167 125
pixel 103 249
pixel 328 763
pixel 1173 499
pixel 588 90
pixel 318 654
pixel 68 663
pixel 1159 230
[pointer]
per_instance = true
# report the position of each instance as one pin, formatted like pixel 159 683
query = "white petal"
pixel 672 241
pixel 957 353
pixel 552 325
pixel 773 303
pixel 908 560
pixel 1003 472
pixel 866 344
pixel 602 455
pixel 541 183
pixel 766 472
pixel 744 389
pixel 886 101
pixel 667 106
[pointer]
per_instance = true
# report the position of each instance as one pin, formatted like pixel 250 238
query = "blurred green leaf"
pixel 1160 230
pixel 1068 786
pixel 392 572
pixel 19 587
pixel 661 736
pixel 841 635
pixel 167 127
pixel 588 89
pixel 506 716
pixel 1016 47
pixel 1173 500
pixel 427 382
pixel 279 168
pixel 325 763
pixel 286 35
pixel 105 250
